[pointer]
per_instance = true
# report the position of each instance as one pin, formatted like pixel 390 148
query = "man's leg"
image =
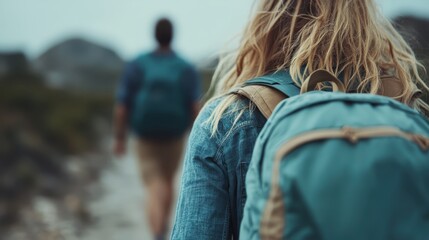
pixel 159 166
pixel 153 183
pixel 158 205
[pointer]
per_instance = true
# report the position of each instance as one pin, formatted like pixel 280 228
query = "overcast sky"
pixel 203 27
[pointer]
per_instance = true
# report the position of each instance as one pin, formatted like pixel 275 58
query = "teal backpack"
pixel 335 166
pixel 160 109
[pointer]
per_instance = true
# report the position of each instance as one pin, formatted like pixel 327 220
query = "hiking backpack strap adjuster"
pixel 265 98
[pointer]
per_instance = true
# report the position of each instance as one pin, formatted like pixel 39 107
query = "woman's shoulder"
pixel 241 113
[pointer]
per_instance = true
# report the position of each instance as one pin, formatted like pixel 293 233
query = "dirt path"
pixel 119 211
pixel 114 207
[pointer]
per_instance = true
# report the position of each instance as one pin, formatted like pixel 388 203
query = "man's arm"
pixel 196 107
pixel 194 91
pixel 127 89
pixel 120 118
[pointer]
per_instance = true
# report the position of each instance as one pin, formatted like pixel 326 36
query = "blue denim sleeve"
pixel 203 210
pixel 252 216
pixel 128 84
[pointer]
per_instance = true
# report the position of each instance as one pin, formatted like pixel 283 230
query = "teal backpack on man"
pixel 160 109
pixel 335 166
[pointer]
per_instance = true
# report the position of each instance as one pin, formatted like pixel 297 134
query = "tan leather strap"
pixel 320 76
pixel 265 98
pixel 392 87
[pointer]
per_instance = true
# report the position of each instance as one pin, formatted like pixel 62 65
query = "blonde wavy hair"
pixel 350 38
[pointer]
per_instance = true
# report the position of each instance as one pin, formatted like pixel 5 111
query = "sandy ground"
pixel 119 212
pixel 115 209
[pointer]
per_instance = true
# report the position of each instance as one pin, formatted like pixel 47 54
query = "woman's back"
pixel 350 39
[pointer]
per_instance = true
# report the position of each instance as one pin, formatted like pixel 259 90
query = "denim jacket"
pixel 212 194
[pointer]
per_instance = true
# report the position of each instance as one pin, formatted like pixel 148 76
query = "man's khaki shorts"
pixel 159 158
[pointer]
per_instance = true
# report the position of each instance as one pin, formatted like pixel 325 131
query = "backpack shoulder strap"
pixel 392 87
pixel 267 91
pixel 265 98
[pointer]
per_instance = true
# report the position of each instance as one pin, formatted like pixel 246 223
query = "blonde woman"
pixel 349 38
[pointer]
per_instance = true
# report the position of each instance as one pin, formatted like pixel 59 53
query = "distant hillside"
pixel 80 65
pixel 12 62
pixel 415 31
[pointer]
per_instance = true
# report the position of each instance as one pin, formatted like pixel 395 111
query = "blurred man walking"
pixel 158 99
